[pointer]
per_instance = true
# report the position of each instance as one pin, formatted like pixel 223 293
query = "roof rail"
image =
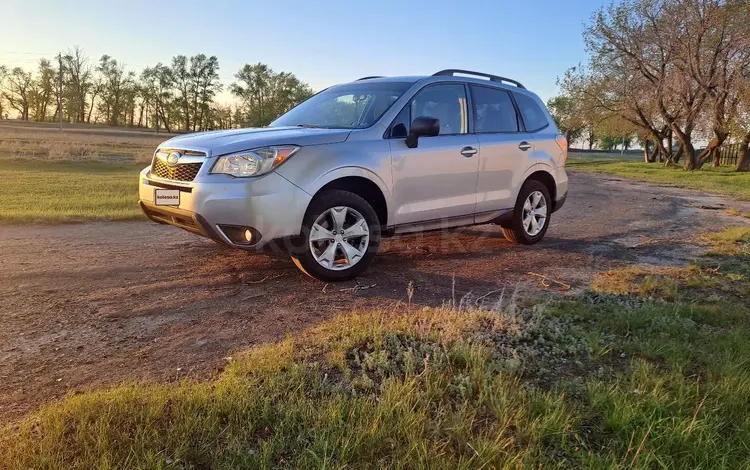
pixel 493 78
pixel 369 77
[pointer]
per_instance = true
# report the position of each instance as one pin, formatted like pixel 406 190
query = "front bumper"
pixel 269 204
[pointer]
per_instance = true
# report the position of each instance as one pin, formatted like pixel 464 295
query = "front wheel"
pixel 340 237
pixel 531 215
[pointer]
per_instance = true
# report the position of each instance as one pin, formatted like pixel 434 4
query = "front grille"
pixel 179 172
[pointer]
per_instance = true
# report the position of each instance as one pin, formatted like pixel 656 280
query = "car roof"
pixel 378 79
pixel 442 78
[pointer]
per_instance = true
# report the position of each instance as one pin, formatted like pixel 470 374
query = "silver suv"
pixel 360 161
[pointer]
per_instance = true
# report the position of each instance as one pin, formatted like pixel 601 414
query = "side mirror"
pixel 422 127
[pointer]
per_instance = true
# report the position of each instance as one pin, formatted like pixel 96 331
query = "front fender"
pixel 349 171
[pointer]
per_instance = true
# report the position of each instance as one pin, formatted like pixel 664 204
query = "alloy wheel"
pixel 339 238
pixel 534 213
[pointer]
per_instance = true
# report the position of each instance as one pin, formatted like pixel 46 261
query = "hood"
pixel 236 140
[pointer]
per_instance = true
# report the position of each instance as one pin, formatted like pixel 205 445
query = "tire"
pixel 516 230
pixel 337 252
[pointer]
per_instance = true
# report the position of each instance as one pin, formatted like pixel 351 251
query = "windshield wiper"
pixel 310 126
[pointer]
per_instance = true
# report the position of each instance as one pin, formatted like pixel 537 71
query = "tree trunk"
pixel 654 154
pixel 743 154
pixel 708 152
pixel 140 115
pixel 646 156
pixel 691 160
pixel 82 108
pixel 687 148
pixel 160 112
pixel 670 144
pixel 716 157
pixel 680 152
pixel 91 109
pixel 568 135
pixel 659 152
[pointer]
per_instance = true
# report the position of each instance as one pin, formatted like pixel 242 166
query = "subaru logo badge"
pixel 173 158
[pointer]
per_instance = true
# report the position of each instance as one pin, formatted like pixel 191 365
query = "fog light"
pixel 240 235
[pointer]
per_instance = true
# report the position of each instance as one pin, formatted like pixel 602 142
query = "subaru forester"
pixel 377 157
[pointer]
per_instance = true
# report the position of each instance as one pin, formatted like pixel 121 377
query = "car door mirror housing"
pixel 422 126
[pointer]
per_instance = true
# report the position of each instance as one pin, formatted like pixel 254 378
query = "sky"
pixel 322 42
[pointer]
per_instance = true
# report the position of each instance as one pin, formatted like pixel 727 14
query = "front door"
pixel 438 179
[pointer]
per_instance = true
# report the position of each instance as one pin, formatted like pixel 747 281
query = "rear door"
pixel 536 121
pixel 438 179
pixel 503 147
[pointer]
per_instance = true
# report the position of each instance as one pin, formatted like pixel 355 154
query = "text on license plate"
pixel 167 197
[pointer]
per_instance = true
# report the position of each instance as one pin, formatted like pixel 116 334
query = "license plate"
pixel 167 197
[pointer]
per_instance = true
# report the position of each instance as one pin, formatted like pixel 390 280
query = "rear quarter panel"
pixel 543 157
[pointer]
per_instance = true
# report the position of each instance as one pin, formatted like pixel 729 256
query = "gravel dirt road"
pixel 91 305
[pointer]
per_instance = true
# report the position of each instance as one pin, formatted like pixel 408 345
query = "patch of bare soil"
pixel 92 305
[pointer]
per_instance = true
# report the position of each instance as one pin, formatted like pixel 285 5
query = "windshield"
pixel 351 106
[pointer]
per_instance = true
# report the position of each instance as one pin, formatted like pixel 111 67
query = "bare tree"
pixel 182 83
pixel 156 84
pixel 17 90
pixel 204 75
pixel 606 95
pixel 78 85
pixel 3 73
pixel 742 123
pixel 180 95
pixel 713 54
pixel 43 90
pixel 266 94
pixel 673 68
pixel 115 86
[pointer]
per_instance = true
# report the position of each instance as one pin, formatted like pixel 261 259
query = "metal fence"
pixel 728 154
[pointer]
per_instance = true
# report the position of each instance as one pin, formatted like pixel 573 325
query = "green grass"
pixel 641 378
pixel 43 191
pixel 721 180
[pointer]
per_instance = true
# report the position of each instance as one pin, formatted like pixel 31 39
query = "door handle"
pixel 468 151
pixel 524 146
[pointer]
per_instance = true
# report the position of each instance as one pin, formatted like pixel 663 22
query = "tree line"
pixel 180 96
pixel 668 72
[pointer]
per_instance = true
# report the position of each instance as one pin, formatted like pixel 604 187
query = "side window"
pixel 445 102
pixel 493 110
pixel 400 126
pixel 532 114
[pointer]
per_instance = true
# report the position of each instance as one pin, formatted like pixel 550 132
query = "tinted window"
pixel 350 106
pixel 401 124
pixel 533 116
pixel 493 110
pixel 445 102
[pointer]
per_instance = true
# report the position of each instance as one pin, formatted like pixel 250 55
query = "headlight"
pixel 253 162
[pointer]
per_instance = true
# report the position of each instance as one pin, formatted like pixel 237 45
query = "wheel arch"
pixel 542 174
pixel 361 183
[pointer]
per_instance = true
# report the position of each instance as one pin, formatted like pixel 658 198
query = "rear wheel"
pixel 340 236
pixel 531 215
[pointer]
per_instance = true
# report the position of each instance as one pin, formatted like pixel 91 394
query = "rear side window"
pixel 493 110
pixel 533 116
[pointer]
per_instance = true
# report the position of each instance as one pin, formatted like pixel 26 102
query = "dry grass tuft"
pixel 78 146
